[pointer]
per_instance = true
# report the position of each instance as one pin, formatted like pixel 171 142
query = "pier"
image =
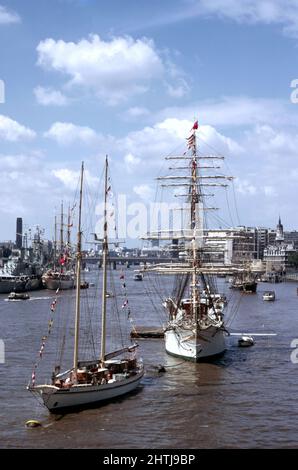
pixel 147 332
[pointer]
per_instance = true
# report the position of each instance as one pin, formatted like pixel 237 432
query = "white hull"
pixel 63 400
pixel 184 343
pixel 54 284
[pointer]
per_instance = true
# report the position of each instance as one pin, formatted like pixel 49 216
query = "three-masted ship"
pixel 91 382
pixel 195 329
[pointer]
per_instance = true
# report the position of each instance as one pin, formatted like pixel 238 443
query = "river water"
pixel 247 399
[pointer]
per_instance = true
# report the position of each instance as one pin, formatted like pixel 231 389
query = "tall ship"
pixel 61 274
pixel 105 374
pixel 195 328
pixel 245 282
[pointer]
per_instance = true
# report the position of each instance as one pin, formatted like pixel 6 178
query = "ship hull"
pixel 86 396
pixel 246 287
pixel 206 345
pixel 33 284
pixel 19 285
pixel 54 284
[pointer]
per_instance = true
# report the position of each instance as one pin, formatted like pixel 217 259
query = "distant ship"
pixel 18 275
pixel 61 275
pixel 54 279
pixel 245 283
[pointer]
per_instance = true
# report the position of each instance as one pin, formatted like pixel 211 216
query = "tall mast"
pixel 193 223
pixel 68 229
pixel 61 230
pixel 104 274
pixel 78 277
pixel 55 241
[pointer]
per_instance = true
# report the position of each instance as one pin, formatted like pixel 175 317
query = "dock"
pixel 147 332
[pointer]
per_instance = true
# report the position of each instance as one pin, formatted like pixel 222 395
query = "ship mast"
pixel 55 242
pixel 68 229
pixel 104 263
pixel 193 222
pixel 78 278
pixel 61 230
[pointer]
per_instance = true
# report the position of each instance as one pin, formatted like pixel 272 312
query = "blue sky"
pixel 84 78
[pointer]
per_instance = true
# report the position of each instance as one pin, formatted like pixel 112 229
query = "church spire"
pixel 279 231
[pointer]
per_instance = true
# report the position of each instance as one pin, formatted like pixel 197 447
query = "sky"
pixel 84 78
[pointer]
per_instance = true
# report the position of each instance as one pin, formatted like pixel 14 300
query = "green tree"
pixel 293 259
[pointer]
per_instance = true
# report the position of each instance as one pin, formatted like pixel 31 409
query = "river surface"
pixel 247 399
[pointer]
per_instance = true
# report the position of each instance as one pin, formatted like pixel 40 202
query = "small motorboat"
pixel 18 296
pixel 246 341
pixel 109 295
pixel 84 285
pixel 138 277
pixel 269 295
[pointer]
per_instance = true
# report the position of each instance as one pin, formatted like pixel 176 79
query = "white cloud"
pixel 114 70
pixel 8 17
pixel 13 131
pixel 235 111
pixel 206 135
pixel 131 162
pixel 136 112
pixel 245 187
pixel 281 12
pixel 179 90
pixel 143 191
pixel 67 133
pixel 70 178
pixel 270 191
pixel 49 96
pixel 26 174
pixel 33 178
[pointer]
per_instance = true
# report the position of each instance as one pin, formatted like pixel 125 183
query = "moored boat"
pixel 269 295
pixel 54 280
pixel 109 375
pixel 245 341
pixel 246 283
pixel 195 328
pixel 18 296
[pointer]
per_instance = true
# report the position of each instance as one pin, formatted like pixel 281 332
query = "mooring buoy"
pixel 33 423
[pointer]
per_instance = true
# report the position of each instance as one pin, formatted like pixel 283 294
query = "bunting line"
pixel 44 338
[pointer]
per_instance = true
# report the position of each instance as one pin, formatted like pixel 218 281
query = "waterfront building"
pixel 276 255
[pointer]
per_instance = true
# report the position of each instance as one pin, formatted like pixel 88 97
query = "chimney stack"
pixel 19 233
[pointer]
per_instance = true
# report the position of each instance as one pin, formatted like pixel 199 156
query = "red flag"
pixel 196 125
pixel 63 259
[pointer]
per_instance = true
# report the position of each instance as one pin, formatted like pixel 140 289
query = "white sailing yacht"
pixel 195 329
pixel 89 383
